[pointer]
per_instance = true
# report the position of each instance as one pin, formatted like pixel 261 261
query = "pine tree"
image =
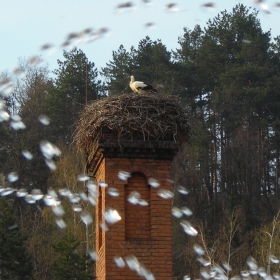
pixel 15 262
pixel 69 265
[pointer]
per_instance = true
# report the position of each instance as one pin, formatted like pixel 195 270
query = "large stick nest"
pixel 130 116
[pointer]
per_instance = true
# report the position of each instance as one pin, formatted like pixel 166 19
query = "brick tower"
pixel 143 236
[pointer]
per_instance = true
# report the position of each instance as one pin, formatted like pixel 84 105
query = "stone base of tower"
pixel 144 232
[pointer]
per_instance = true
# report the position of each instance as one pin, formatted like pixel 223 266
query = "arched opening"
pixel 137 214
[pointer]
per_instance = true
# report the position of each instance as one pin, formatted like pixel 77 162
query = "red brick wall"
pixel 153 246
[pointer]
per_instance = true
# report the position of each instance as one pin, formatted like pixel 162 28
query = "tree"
pixel 75 85
pixel 15 262
pixel 69 265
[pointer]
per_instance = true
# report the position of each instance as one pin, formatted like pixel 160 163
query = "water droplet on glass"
pixel 60 223
pixel 204 273
pixel 92 188
pixel 64 192
pixel 112 216
pixel 182 190
pixel 52 193
pixel 208 7
pixel 226 266
pixel 49 150
pixel 43 119
pixel 153 183
pixel 74 198
pixel 132 263
pixel 262 272
pixel 186 211
pixel 7 191
pixel 113 192
pixel 29 199
pixel 166 194
pixel 92 200
pixel 37 194
pixel 27 154
pixel 187 277
pixel 22 192
pixel 245 273
pixel 123 175
pixel 77 208
pixel 176 212
pixel 12 177
pixel 46 47
pixel 273 259
pixel 119 262
pixel 58 210
pixel 103 184
pixel 49 200
pixel 103 226
pixel 133 197
pixel 188 228
pixel 93 255
pixel 252 263
pixel 203 261
pixel 17 125
pixel 86 218
pixel 83 177
pixel 198 250
pixel 83 196
pixel 142 202
pixel 51 164
pixel 4 116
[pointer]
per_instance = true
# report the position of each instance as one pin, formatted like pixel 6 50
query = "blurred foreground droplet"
pixel 12 177
pixel 27 154
pixel 113 192
pixel 49 150
pixel 188 228
pixel 43 119
pixel 86 218
pixel 182 190
pixel 119 262
pixel 198 250
pixel 60 223
pixel 22 192
pixel 123 175
pixel 153 183
pixel 176 212
pixel 112 216
pixel 83 177
pixel 93 255
pixel 166 194
pixel 37 194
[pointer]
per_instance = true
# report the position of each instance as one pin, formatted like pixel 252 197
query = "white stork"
pixel 140 87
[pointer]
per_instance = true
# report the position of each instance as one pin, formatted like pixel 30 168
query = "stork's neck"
pixel 132 79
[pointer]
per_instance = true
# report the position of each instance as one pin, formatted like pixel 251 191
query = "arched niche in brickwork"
pixel 137 217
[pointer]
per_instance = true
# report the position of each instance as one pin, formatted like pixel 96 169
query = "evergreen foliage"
pixel 15 262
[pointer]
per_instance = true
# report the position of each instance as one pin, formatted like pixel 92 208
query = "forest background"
pixel 227 76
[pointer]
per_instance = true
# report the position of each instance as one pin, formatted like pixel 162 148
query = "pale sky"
pixel 27 25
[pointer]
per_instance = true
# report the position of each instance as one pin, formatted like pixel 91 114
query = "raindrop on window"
pixel 112 216
pixel 60 223
pixel 113 192
pixel 153 183
pixel 12 177
pixel 27 154
pixel 7 191
pixel 182 190
pixel 188 228
pixel 119 262
pixel 123 175
pixel 37 194
pixel 198 250
pixel 166 194
pixel 103 184
pixel 93 255
pixel 176 212
pixel 186 211
pixel 43 119
pixel 21 192
pixel 58 210
pixel 83 177
pixel 86 218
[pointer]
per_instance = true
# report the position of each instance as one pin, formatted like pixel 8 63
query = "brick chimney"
pixel 144 232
